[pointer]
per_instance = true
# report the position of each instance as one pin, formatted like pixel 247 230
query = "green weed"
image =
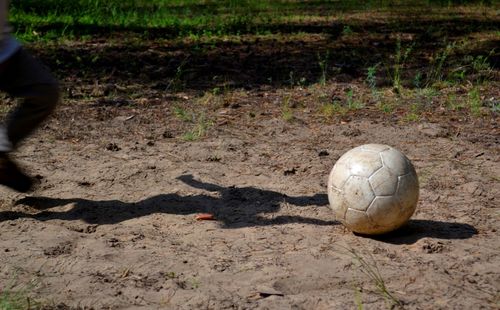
pixel 474 102
pixel 413 115
pixel 481 63
pixel 346 31
pixel 481 67
pixel 351 103
pixel 425 97
pixel 61 19
pixel 368 266
pixel 286 110
pixel 195 283
pixel 495 107
pixel 14 298
pixel 371 80
pixel 212 98
pixel 294 82
pixel 400 58
pixel 323 65
pixel 417 80
pixel 358 298
pixel 385 107
pixel 183 115
pixel 371 77
pixel 330 109
pixel 171 275
pixel 336 106
pixel 436 72
pixel 199 130
pixel 177 84
pixel 453 103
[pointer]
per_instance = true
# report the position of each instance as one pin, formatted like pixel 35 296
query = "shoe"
pixel 11 176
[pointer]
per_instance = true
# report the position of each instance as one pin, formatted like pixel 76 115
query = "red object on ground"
pixel 205 217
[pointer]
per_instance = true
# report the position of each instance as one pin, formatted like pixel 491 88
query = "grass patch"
pixel 340 106
pixel 13 297
pixel 368 266
pixel 286 110
pixel 199 46
pixel 183 114
pixel 200 128
pixel 474 102
pixel 329 110
pixel 55 19
pixel 386 107
pixel 400 58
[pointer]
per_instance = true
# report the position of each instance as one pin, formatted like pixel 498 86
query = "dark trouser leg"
pixel 37 103
pixel 25 78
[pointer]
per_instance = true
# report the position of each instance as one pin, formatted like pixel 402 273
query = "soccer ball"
pixel 373 189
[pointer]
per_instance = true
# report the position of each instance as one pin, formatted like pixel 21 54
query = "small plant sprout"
pixel 371 76
pixel 385 107
pixel 329 109
pixel 183 115
pixel 417 80
pixel 371 79
pixel 14 297
pixel 436 73
pixel 368 266
pixel 292 79
pixel 286 111
pixel 200 128
pixel 453 103
pixel 400 58
pixel 351 103
pixel 176 83
pixel 495 106
pixel 323 65
pixel 347 30
pixel 474 100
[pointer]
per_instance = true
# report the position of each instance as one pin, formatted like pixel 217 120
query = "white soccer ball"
pixel 373 189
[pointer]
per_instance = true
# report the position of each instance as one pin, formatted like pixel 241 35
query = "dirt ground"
pixel 112 223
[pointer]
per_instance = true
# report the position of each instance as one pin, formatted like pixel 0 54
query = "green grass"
pixel 474 100
pixel 400 58
pixel 286 110
pixel 14 301
pixel 320 42
pixel 386 107
pixel 368 266
pixel 15 298
pixel 200 128
pixel 54 19
pixel 183 114
pixel 323 64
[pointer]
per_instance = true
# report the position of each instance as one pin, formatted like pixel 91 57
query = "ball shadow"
pixel 415 230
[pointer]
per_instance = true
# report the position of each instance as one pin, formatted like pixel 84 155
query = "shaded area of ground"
pixel 276 60
pixel 235 208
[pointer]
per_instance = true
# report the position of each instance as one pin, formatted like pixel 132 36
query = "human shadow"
pixel 233 207
pixel 415 230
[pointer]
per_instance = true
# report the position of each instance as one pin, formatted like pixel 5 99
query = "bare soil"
pixel 112 223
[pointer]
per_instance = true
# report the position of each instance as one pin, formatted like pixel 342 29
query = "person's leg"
pixel 25 78
pixel 37 90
